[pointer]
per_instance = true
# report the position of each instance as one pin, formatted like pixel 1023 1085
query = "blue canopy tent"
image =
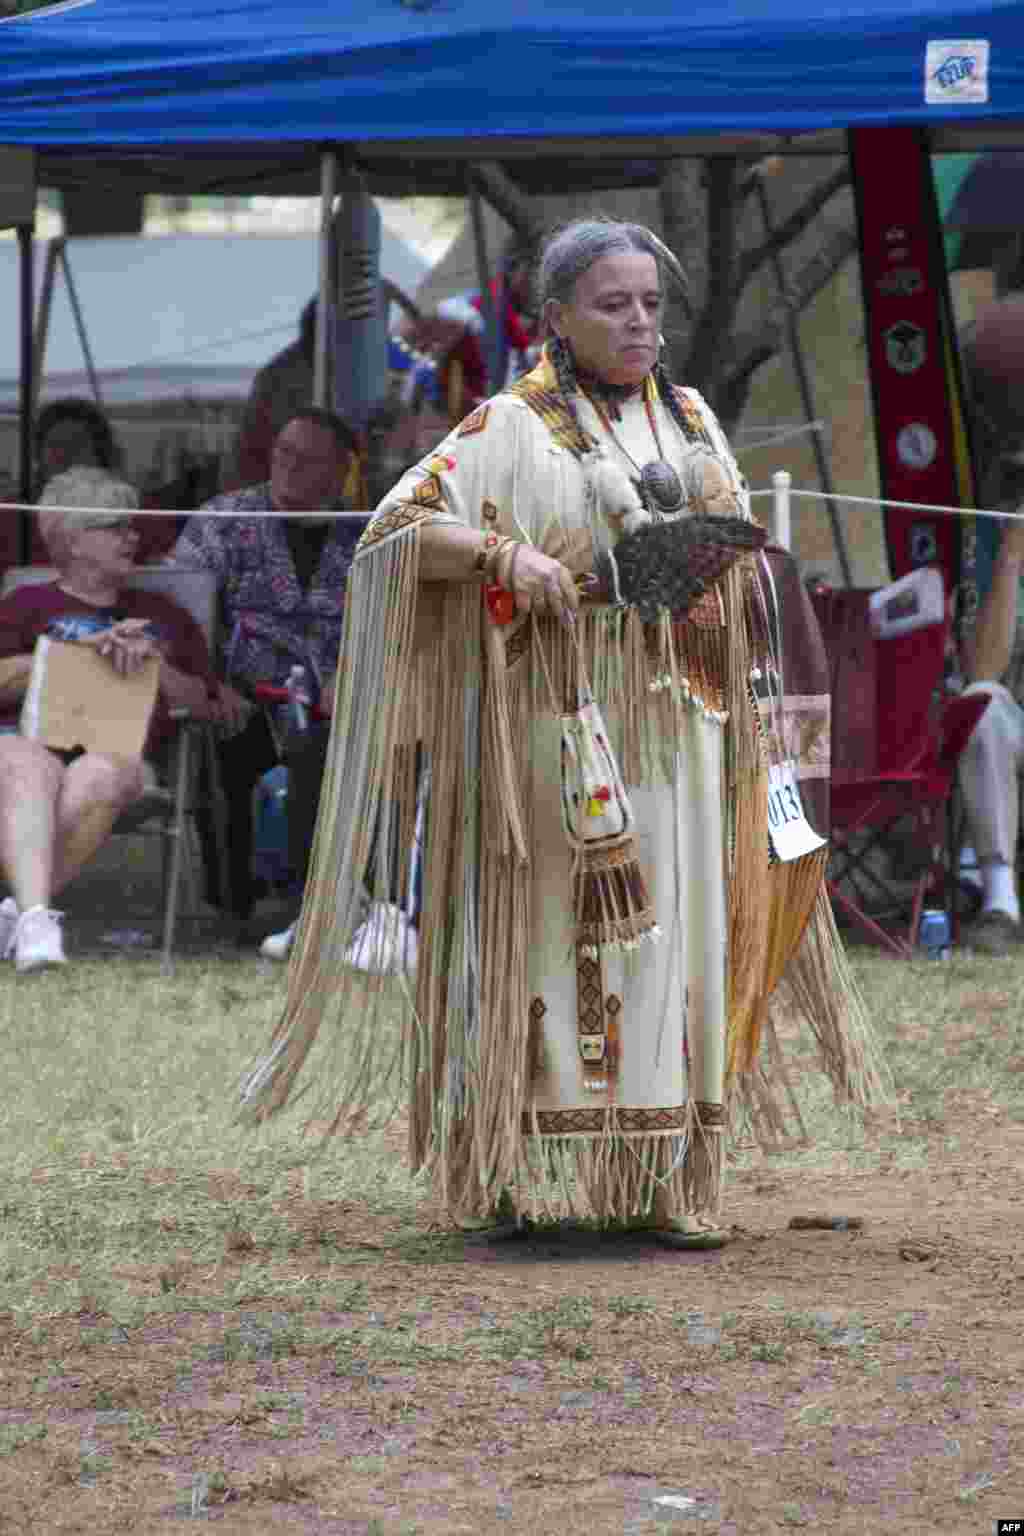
pixel 129 74
pixel 235 95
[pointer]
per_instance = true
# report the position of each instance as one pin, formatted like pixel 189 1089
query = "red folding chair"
pixel 896 739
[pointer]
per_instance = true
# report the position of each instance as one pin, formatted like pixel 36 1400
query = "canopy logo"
pixel 25 10
pixel 956 72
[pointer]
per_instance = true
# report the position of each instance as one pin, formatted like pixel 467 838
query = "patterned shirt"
pixel 269 622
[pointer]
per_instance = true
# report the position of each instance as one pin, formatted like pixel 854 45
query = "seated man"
pixel 57 808
pixel 994 758
pixel 282 582
pixel 284 387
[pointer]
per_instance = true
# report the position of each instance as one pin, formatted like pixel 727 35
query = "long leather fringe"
pixel 461 1057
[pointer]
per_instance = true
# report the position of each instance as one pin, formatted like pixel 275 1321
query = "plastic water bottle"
pixel 298 699
pixel 933 935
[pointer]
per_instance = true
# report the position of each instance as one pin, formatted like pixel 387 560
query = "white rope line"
pixel 341 516
pixel 909 506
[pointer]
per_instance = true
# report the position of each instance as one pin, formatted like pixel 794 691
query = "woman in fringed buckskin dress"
pixel 608 904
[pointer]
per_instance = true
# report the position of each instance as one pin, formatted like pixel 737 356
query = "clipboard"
pixel 76 699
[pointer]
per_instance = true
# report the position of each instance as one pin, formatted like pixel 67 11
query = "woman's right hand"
pixel 15 672
pixel 539 584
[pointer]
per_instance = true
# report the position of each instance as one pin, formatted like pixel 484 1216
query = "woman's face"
pixel 104 549
pixel 614 318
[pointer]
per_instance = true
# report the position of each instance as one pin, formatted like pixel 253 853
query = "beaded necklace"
pixel 660 487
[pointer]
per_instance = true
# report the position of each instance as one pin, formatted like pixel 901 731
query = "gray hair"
pixel 572 250
pixel 76 496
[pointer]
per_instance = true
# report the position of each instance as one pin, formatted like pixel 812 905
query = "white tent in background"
pixel 175 315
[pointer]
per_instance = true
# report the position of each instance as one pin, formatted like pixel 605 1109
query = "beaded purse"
pixel 611 901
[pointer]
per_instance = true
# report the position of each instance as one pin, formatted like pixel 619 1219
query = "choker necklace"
pixel 612 395
pixel 659 485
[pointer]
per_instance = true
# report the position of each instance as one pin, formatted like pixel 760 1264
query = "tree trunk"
pixel 704 367
pixel 683 220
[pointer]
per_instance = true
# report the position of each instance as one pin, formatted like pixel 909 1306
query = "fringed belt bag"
pixel 611 902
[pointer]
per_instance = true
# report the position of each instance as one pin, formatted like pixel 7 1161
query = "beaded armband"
pixel 484 554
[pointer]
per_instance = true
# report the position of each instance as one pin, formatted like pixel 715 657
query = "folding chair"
pixel 896 739
pixel 172 805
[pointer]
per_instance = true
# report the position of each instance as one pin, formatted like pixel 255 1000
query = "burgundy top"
pixel 31 608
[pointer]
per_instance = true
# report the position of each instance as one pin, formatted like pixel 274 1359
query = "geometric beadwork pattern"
pixel 555 414
pixel 535 1039
pixel 613 1045
pixel 474 422
pixel 590 1022
pixel 598 1120
pixel 429 492
pixel 589 995
pixel 387 523
pixel 691 416
pixel 711 1116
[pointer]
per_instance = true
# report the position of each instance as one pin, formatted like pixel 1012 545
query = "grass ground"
pixel 198 1324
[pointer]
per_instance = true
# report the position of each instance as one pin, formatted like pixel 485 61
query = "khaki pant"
pixel 990 771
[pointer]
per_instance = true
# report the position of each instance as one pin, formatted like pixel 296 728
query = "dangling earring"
pixel 564 365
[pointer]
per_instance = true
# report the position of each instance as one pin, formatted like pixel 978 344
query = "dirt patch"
pixel 853 1381
pixel 263 1347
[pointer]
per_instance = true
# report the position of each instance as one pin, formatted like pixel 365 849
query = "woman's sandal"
pixel 505 1224
pixel 672 1233
pixel 679 1237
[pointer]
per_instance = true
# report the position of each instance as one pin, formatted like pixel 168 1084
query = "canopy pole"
pixel 42 325
pixel 492 340
pixel 76 310
pixel 322 345
pixel 26 418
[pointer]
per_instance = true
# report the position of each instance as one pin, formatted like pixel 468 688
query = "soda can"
pixel 934 935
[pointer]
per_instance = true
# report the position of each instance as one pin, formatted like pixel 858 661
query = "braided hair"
pixel 567 255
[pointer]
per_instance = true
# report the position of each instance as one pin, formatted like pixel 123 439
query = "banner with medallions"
pixel 921 431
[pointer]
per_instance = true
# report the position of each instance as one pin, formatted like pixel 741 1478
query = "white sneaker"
pixel 278 946
pixel 8 923
pixel 38 941
pixel 385 944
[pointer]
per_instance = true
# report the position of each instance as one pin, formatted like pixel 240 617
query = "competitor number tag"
pixel 790 832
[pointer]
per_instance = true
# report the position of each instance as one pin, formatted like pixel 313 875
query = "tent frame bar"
pixel 26 249
pixel 322 383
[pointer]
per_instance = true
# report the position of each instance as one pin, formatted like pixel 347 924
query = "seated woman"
pixel 58 807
